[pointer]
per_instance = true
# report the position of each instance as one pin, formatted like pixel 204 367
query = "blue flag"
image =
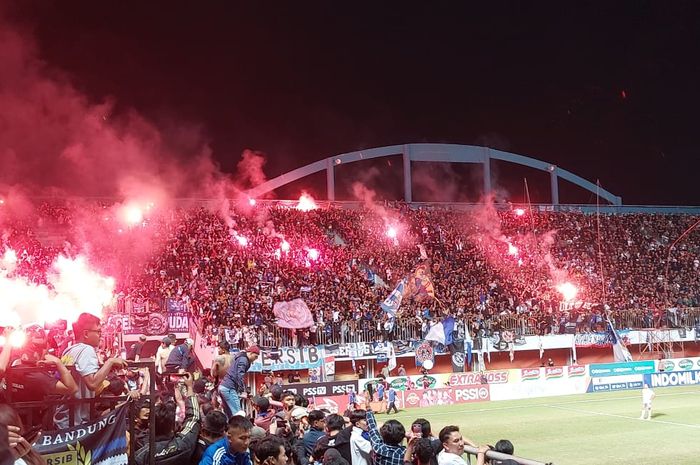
pixel 393 301
pixel 442 332
pixel 620 352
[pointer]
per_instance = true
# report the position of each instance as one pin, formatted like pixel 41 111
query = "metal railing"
pixel 29 407
pixel 492 454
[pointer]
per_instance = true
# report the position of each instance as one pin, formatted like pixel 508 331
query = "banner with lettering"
pixel 289 358
pixel 102 442
pixel 156 324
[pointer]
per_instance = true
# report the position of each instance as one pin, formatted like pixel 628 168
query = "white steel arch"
pixel 447 153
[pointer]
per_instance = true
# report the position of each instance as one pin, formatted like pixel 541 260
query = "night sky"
pixel 607 90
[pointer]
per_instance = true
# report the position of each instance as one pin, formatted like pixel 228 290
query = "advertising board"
pixel 599 370
pixel 674 378
pixel 332 388
pixel 446 396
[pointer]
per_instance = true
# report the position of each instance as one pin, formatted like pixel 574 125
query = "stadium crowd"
pixel 196 419
pixel 492 269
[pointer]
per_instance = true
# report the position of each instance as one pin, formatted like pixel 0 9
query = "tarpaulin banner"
pixel 102 442
pixel 294 314
pixel 334 388
pixel 289 358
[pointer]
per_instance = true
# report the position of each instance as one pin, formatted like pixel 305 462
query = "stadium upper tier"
pixel 232 266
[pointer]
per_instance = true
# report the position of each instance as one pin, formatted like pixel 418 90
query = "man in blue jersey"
pixel 233 448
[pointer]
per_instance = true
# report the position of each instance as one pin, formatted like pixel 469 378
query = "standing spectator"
pixel 334 425
pixel 171 447
pixel 360 448
pixel 83 357
pixel 213 430
pixel 233 384
pixel 402 370
pixel 222 362
pixel 270 451
pixel 233 448
pixel 316 426
pixel 391 399
pixel 387 442
pixel 162 355
pixel 452 446
pixel 133 353
pixel 181 358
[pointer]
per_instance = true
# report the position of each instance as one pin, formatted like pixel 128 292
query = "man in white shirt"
pixel 162 355
pixel 360 448
pixel 452 446
pixel 647 397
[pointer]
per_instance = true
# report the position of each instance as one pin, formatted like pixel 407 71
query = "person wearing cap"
pixel 27 386
pixel 133 353
pixel 162 355
pixel 181 358
pixel 264 413
pixel 213 429
pixel 233 384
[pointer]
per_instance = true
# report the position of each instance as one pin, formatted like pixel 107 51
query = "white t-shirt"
pixel 84 358
pixel 448 458
pixel 647 395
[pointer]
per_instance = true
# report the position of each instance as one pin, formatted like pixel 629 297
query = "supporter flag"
pixel 442 332
pixel 392 357
pixel 373 277
pixel 294 314
pixel 423 254
pixel 393 301
pixel 457 355
pixel 102 441
pixel 539 338
pixel 620 352
pixel 420 284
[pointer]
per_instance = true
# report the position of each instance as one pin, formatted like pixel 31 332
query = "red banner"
pixel 446 396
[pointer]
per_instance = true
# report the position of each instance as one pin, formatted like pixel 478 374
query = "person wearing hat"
pixel 133 353
pixel 213 429
pixel 233 384
pixel 181 358
pixel 162 355
pixel 265 415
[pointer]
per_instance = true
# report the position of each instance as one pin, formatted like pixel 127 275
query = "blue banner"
pixel 615 386
pixel 675 378
pixel 600 370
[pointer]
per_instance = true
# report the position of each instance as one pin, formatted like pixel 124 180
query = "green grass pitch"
pixel 597 428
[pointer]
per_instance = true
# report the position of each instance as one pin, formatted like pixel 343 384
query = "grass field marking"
pixel 588 412
pixel 519 407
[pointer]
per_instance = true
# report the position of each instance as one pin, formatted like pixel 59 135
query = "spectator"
pixel 222 362
pixel 452 446
pixel 133 353
pixel 402 370
pixel 271 451
pixel 83 357
pixel 233 384
pixel 360 448
pixel 16 442
pixel 162 355
pixel 171 447
pixel 504 446
pixel 180 358
pixel 27 386
pixel 316 426
pixel 212 430
pixel 265 415
pixel 387 445
pixel 233 448
pixel 334 425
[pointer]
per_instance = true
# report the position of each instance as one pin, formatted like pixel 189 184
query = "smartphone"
pixel 281 423
pixel 417 430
